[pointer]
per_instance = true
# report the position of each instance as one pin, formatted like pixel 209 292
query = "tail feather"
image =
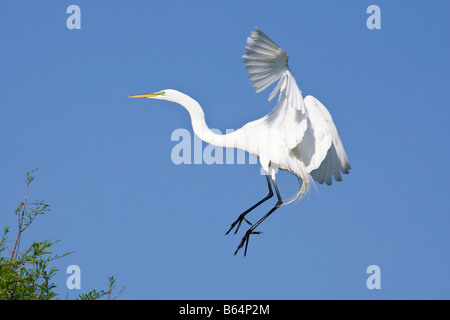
pixel 303 190
pixel 303 177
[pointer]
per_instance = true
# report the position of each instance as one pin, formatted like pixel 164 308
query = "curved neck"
pixel 200 127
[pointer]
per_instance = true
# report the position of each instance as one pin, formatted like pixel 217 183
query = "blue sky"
pixel 127 210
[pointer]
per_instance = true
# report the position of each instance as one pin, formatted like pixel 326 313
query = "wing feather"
pixel 329 158
pixel 267 63
pixel 305 125
pixel 264 59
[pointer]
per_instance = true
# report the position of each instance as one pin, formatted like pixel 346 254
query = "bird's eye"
pixel 161 93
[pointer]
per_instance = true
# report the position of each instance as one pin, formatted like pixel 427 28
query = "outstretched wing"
pixel 321 149
pixel 305 125
pixel 266 63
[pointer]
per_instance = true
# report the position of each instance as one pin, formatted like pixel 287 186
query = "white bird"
pixel 298 135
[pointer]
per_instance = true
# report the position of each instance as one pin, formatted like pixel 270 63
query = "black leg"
pixel 242 216
pixel 250 231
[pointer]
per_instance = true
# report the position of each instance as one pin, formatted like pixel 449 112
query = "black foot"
pixel 238 222
pixel 245 240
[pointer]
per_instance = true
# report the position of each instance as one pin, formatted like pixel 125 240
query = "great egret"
pixel 298 136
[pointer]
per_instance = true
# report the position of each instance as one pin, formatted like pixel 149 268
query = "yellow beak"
pixel 147 95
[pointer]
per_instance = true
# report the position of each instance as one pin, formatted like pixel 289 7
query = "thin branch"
pixel 118 293
pixel 21 213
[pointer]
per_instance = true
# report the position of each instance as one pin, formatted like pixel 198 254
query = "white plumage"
pixel 306 125
pixel 298 135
